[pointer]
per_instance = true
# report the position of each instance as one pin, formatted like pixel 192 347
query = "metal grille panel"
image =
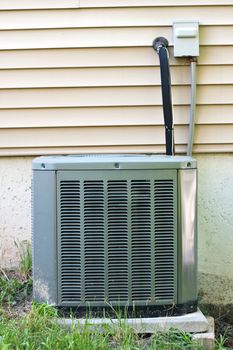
pixel 94 240
pixel 117 237
pixel 141 239
pixel 117 241
pixel 164 239
pixel 70 241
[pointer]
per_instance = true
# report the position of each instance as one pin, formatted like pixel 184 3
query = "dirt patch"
pixel 223 316
pixel 15 293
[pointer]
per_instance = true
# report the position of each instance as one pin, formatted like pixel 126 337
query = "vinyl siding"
pixel 81 76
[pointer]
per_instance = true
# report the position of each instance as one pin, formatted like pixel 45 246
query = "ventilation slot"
pixel 141 239
pixel 164 240
pixel 94 240
pixel 117 241
pixel 70 251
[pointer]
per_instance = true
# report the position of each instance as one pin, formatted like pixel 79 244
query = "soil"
pixel 223 317
pixel 226 329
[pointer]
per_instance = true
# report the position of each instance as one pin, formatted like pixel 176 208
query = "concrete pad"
pixel 207 339
pixel 194 322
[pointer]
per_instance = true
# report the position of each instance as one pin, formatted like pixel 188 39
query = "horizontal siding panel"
pixel 213 94
pixel 106 57
pixel 114 96
pixel 90 77
pixel 47 4
pixel 111 136
pixel 35 151
pixel 159 149
pixel 88 136
pixel 88 57
pixel 64 38
pixel 117 17
pixel 85 77
pixel 128 3
pixel 38 4
pixel 68 97
pixel 110 116
pixel 215 55
pixel 214 148
pixel 218 75
pixel 104 37
pixel 214 134
pixel 214 114
pixel 104 116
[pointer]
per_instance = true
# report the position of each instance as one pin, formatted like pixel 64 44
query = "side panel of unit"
pixel 187 236
pixel 44 237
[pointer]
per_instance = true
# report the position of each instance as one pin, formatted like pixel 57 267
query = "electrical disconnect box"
pixel 186 38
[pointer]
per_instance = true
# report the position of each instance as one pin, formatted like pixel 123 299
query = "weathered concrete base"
pixel 206 339
pixel 196 323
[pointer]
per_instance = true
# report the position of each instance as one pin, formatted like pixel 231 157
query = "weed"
pixel 39 330
pixel 173 340
pixel 220 343
pixel 16 287
pixel 25 263
pixel 13 290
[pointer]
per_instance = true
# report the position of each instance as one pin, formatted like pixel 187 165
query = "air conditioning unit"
pixel 115 231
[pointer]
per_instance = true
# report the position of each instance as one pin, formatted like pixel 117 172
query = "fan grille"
pixel 117 238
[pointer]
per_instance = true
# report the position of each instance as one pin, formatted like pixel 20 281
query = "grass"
pixel 39 330
pixel 13 289
pixel 220 343
pixel 30 326
pixel 16 286
pixel 25 255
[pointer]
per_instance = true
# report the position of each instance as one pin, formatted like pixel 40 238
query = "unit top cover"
pixel 113 161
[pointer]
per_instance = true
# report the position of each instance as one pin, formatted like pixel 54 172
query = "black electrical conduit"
pixel 160 45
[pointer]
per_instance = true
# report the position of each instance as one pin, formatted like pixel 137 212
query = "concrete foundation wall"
pixel 215 210
pixel 215 227
pixel 15 207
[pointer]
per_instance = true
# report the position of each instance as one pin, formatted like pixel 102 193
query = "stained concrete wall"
pixel 15 207
pixel 215 227
pixel 215 216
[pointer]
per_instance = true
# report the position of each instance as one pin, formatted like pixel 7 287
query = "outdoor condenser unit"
pixel 115 231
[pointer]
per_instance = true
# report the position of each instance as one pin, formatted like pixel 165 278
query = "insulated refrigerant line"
pixel 160 45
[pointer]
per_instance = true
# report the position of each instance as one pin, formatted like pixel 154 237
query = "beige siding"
pixel 109 116
pixel 106 57
pixel 104 37
pixel 157 3
pixel 120 76
pixel 81 76
pixel 112 17
pixel 63 4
